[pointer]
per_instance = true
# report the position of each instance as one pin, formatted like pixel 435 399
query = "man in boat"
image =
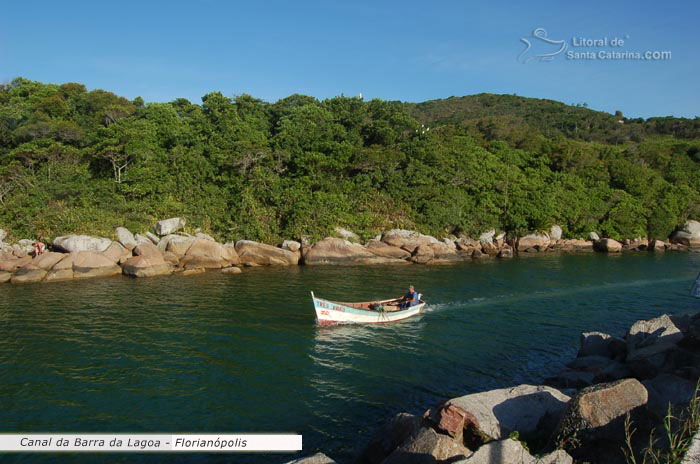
pixel 409 299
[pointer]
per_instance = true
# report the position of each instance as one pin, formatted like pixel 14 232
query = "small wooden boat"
pixel 367 312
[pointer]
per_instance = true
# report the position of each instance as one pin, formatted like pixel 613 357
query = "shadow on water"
pixel 218 353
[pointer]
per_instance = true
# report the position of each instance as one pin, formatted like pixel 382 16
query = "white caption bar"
pixel 73 442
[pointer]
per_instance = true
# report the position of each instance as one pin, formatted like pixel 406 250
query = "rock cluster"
pixel 168 249
pixel 579 415
pixel 137 255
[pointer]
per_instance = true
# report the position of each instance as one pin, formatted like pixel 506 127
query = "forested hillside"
pixel 79 161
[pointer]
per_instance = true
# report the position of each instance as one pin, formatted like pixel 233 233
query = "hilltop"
pixel 552 118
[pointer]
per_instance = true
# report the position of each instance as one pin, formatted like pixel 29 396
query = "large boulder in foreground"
pixel 511 451
pixel 75 243
pixel 426 446
pixel 169 226
pixel 598 411
pixel 495 414
pixel 252 253
pixel 207 254
pixel 390 436
pixel 668 390
pixel 147 266
pixel 409 240
pixel 337 251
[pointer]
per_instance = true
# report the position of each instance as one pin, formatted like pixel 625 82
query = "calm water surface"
pixel 219 353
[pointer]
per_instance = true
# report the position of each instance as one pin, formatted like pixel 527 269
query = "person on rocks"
pixel 39 248
pixel 409 299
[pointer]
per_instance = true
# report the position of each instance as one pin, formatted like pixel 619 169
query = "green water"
pixel 242 353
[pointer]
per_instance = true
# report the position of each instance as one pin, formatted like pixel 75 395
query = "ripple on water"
pixel 217 353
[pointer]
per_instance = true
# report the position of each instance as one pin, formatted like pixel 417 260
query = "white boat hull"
pixel 330 312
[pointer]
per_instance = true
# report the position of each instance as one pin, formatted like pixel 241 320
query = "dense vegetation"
pixel 73 160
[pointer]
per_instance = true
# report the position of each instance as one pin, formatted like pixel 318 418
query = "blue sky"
pixel 409 51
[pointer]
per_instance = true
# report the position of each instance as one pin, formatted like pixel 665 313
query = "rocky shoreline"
pixel 576 416
pixel 169 250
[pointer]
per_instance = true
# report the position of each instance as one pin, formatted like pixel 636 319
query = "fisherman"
pixel 409 299
pixel 39 248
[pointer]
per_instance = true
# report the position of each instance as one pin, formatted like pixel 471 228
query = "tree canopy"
pixel 73 160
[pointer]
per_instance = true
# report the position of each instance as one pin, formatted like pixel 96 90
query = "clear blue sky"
pixel 400 50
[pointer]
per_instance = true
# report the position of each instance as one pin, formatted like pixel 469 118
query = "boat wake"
pixel 544 294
